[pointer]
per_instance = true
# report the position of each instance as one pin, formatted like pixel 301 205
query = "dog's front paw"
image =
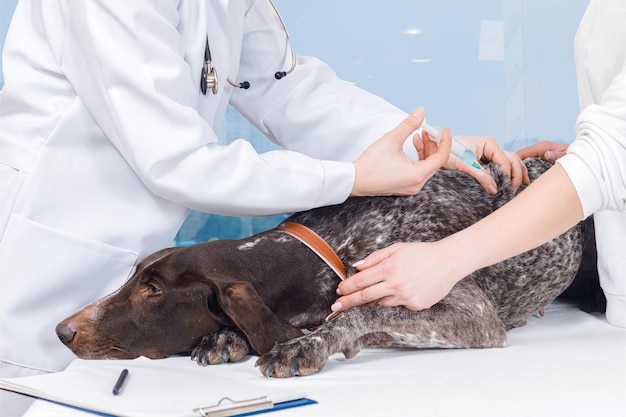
pixel 227 345
pixel 296 357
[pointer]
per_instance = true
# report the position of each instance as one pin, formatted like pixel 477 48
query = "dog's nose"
pixel 65 333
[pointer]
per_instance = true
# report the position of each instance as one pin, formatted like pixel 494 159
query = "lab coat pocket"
pixel 11 181
pixel 48 274
pixel 36 252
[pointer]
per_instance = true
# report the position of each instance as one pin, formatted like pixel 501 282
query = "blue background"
pixel 483 67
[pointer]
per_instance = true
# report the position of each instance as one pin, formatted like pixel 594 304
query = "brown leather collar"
pixel 316 244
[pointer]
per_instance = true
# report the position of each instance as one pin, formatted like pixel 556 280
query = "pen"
pixel 117 388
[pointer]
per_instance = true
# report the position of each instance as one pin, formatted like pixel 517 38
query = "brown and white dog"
pixel 220 301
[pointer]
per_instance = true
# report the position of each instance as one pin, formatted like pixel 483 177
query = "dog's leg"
pixel 464 319
pixel 227 345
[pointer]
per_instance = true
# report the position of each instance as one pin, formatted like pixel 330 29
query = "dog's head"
pixel 172 300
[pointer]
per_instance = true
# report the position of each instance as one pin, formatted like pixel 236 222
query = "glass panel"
pixel 503 68
pixel 202 227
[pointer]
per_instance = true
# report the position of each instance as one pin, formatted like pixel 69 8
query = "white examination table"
pixel 567 363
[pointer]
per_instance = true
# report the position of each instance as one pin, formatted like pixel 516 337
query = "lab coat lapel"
pixel 225 30
pixel 212 107
pixel 236 23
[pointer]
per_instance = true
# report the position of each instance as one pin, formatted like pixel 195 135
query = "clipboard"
pixel 155 388
pixel 228 407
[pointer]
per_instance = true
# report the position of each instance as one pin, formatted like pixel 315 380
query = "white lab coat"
pixel 106 141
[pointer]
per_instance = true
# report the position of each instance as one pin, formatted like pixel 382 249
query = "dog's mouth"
pixel 86 345
pixel 109 352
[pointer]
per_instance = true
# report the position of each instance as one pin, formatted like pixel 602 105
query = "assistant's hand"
pixel 550 151
pixel 385 169
pixel 487 147
pixel 416 275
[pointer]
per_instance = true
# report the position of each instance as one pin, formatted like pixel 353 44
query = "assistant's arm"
pixel 418 275
pixel 590 177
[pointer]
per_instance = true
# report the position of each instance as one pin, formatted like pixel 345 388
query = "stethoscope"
pixel 208 80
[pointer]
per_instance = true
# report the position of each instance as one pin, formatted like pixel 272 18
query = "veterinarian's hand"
pixel 415 275
pixel 487 147
pixel 550 151
pixel 385 169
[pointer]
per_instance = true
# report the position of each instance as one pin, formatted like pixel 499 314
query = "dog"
pixel 222 300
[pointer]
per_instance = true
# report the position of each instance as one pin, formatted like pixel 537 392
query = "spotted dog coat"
pixel 222 300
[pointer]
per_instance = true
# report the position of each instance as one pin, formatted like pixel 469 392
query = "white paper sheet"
pixel 154 388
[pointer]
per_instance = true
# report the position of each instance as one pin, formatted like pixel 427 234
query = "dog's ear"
pixel 155 257
pixel 263 328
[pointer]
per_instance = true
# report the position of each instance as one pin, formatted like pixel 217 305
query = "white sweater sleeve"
pixel 596 160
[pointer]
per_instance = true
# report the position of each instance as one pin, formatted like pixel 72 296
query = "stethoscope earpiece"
pixel 243 85
pixel 282 74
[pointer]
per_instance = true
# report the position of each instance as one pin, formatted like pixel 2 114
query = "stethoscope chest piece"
pixel 208 79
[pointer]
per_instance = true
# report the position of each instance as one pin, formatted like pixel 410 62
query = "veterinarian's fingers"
pixel 419 145
pixel 483 177
pixel 436 155
pixel 424 145
pixel 491 150
pixel 430 146
pixel 384 168
pixel 511 163
pixel 519 171
pixel 487 147
pixel 408 126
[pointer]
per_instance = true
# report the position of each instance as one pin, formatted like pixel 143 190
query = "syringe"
pixel 458 149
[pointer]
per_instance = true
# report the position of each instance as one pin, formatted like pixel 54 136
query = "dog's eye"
pixel 153 289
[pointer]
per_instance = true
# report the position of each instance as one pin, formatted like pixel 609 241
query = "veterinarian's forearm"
pixel 547 208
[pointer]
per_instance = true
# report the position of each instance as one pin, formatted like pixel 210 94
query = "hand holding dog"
pixel 419 275
pixel 487 148
pixel 383 277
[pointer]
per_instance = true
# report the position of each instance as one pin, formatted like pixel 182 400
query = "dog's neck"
pixel 318 245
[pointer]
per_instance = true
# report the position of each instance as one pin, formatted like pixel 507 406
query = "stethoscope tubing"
pixel 209 77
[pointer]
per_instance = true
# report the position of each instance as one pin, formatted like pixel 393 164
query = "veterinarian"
pixel 108 137
pixel 589 179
